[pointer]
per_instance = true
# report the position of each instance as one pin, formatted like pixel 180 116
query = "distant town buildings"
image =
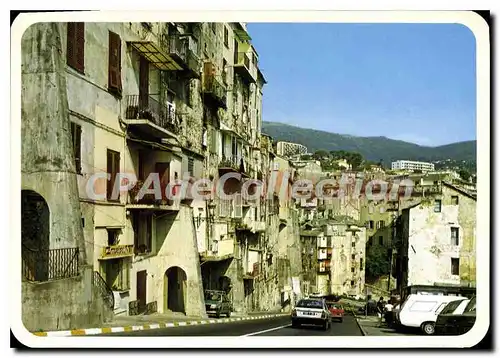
pixel 412 165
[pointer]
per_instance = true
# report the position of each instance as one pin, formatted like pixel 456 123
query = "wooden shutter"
pixel 114 69
pixel 80 46
pixel 75 49
pixel 113 167
pixel 70 44
pixel 143 82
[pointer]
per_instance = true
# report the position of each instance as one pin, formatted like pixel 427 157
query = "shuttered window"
pixel 113 166
pixel 114 67
pixel 75 46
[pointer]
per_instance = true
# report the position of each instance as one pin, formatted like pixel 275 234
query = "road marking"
pixel 266 330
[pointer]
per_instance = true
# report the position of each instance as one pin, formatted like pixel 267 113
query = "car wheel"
pixel 217 315
pixel 428 328
pixel 228 314
pixel 341 320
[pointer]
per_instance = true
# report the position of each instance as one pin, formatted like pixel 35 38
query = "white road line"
pixel 266 330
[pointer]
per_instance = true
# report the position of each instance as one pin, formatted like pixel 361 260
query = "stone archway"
pixel 35 236
pixel 175 290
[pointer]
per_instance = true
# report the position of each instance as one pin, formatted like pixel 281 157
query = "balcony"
pixel 213 89
pixel 116 251
pixel 222 250
pixel 178 49
pixel 324 266
pixel 48 265
pixel 151 117
pixel 242 67
pixel 232 163
pixel 149 201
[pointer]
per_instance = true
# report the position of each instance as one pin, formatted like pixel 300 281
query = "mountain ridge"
pixel 372 148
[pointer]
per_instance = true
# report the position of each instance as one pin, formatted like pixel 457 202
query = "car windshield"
pixel 310 304
pixel 451 307
pixel 471 306
pixel 212 296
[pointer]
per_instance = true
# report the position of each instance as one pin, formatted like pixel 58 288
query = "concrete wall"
pixel 63 304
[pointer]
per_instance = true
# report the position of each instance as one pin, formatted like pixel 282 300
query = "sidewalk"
pixel 370 327
pixel 156 321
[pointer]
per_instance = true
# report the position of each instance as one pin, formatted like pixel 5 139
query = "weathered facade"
pixel 59 289
pixel 437 240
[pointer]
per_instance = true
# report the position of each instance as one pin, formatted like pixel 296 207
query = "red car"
pixel 337 310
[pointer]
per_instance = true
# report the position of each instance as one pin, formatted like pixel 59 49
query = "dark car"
pixel 217 303
pixel 448 323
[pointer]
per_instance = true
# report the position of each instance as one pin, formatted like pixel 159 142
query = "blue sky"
pixel 414 82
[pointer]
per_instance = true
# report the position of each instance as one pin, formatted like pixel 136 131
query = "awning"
pixel 153 53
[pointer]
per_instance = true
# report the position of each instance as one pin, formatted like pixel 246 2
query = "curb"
pixel 146 327
pixel 363 332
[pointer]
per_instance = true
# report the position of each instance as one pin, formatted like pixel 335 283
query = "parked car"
pixel 456 321
pixel 336 310
pixel 217 303
pixel 421 311
pixel 311 311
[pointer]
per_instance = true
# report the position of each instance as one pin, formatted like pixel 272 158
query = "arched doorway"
pixel 35 236
pixel 175 290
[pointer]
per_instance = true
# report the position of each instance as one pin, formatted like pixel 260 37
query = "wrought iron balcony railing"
pixel 52 264
pixel 147 108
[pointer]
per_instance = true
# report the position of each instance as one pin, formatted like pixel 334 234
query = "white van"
pixel 421 311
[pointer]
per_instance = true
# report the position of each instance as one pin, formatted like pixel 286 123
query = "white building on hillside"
pixel 412 165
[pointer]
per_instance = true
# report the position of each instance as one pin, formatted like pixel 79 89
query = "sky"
pixel 413 82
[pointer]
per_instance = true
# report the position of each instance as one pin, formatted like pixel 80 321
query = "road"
pixel 277 326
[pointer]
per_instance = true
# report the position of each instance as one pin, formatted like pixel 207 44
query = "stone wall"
pixel 63 304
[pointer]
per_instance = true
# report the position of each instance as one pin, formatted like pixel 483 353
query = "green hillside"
pixel 371 148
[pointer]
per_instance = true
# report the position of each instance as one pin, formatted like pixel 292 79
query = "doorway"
pixel 175 285
pixel 141 286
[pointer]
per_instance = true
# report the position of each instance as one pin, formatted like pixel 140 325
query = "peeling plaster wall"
pixel 430 247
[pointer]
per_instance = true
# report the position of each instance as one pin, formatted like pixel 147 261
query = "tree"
pixel 355 160
pixel 378 261
pixel 321 154
pixel 464 174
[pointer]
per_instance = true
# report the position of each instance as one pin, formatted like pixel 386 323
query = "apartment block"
pixel 412 165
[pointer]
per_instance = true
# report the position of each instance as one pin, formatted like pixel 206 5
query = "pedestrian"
pixel 388 315
pixel 380 310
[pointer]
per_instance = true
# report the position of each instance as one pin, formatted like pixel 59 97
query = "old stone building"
pixel 60 290
pixel 436 239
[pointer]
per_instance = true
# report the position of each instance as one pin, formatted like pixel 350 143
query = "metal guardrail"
pixel 49 264
pixel 103 289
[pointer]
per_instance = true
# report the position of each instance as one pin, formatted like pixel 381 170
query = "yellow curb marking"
pixel 127 329
pixel 146 326
pixel 40 334
pixel 106 330
pixel 77 332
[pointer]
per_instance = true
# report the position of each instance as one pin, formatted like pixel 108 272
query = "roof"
pixel 461 191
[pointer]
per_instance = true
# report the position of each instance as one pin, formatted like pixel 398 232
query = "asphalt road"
pixel 277 326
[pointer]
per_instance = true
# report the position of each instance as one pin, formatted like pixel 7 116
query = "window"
pixel 76 136
pixel 113 235
pixel 114 64
pixel 352 283
pixel 437 206
pixel 454 236
pixel 226 37
pixel 118 274
pixel 380 224
pixel 353 244
pixel 191 166
pixel 370 224
pixel 454 200
pixel 353 256
pixel 352 269
pixel 142 223
pixel 455 266
pixel 113 166
pixel 75 46
pixel 361 264
pixel 380 240
pixel 224 71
